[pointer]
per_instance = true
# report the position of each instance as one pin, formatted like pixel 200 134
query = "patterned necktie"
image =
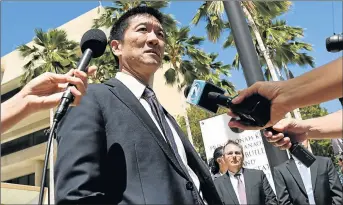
pixel 158 113
pixel 241 190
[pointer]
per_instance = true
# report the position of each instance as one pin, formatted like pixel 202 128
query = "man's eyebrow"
pixel 146 23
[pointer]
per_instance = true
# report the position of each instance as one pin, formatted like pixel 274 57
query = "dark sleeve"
pixel 281 188
pixel 80 154
pixel 335 184
pixel 270 197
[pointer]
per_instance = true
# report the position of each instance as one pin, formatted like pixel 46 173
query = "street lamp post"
pixel 251 66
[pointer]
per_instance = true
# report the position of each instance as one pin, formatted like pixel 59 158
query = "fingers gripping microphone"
pixel 298 150
pixel 252 111
pixel 93 44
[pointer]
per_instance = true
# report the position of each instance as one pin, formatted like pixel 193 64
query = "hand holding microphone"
pixel 253 110
pixel 93 44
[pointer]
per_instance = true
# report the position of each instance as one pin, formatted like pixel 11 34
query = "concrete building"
pixel 23 146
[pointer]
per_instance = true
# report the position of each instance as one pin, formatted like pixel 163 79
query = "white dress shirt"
pixel 234 182
pixel 137 88
pixel 305 174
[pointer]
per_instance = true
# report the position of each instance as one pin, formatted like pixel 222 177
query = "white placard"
pixel 216 132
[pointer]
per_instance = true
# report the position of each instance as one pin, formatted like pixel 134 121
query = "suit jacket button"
pixel 189 186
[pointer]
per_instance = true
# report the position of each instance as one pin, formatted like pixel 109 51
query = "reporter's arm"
pixel 13 110
pixel 326 127
pixel 319 85
pixel 316 86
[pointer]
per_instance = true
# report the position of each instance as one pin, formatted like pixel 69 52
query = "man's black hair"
pixel 119 27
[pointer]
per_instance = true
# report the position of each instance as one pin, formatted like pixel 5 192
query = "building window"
pixel 24 142
pixel 29 180
pixel 24 180
pixel 10 94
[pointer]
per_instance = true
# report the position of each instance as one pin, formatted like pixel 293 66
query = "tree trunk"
pixel 188 126
pixel 270 65
pixel 261 44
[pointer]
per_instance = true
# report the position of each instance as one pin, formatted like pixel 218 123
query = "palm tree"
pixel 186 62
pixel 219 74
pixel 107 67
pixel 185 58
pixel 112 13
pixel 212 13
pixel 283 44
pixel 285 48
pixel 51 52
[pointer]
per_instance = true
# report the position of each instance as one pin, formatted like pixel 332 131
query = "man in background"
pixel 241 185
pixel 299 185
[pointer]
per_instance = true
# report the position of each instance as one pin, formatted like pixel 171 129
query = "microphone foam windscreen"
pixel 94 39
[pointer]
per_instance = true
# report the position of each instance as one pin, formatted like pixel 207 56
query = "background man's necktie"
pixel 241 190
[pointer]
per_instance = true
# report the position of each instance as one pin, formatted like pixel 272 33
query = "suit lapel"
pixel 248 178
pixel 195 163
pixel 128 99
pixel 191 154
pixel 230 189
pixel 314 173
pixel 292 168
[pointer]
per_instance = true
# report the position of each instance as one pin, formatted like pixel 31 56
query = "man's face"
pixel 233 157
pixel 142 47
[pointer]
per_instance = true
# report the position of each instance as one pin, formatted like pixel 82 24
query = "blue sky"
pixel 20 18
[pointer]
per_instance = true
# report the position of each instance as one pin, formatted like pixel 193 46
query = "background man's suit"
pixel 110 151
pixel 257 188
pixel 326 186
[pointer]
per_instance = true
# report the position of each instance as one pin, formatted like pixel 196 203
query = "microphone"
pixel 252 111
pixel 93 44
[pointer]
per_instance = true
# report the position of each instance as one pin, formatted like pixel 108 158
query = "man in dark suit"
pixel 298 185
pixel 240 185
pixel 120 145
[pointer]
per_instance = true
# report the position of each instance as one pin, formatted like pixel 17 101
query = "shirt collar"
pixel 134 85
pixel 297 161
pixel 233 174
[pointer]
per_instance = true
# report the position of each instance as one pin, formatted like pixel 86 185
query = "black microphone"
pixel 93 44
pixel 252 111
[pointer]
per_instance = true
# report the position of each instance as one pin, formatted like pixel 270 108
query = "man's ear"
pixel 116 47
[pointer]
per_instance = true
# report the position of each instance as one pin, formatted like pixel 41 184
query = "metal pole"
pixel 251 66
